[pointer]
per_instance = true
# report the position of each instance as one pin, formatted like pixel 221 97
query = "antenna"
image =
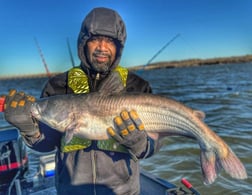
pixel 70 52
pixel 168 43
pixel 42 57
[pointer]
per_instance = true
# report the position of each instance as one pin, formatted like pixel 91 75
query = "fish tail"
pixel 212 164
pixel 233 166
pixel 208 166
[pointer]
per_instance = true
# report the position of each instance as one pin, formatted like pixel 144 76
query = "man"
pixel 84 166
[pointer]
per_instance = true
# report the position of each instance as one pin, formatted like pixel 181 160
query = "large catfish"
pixel 89 115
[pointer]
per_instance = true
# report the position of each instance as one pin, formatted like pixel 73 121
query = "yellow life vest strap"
pixel 78 82
pixel 111 145
pixel 123 74
pixel 76 143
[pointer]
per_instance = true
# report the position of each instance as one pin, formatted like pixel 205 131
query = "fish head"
pixel 51 111
pixel 37 109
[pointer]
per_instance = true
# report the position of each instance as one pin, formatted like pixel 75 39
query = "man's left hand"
pixel 129 131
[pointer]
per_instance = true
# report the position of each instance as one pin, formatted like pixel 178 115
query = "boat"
pixel 15 178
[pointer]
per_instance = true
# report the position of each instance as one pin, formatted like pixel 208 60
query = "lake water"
pixel 223 92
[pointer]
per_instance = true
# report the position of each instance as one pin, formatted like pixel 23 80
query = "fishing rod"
pixel 189 186
pixel 163 48
pixel 143 67
pixel 42 57
pixel 70 52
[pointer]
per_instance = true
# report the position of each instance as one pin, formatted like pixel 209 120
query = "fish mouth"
pixel 35 110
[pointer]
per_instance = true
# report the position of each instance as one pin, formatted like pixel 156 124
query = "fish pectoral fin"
pixel 70 131
pixel 68 136
pixel 199 114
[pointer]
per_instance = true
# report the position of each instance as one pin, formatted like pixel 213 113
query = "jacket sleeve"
pixel 48 141
pixel 151 148
pixel 137 84
pixel 56 85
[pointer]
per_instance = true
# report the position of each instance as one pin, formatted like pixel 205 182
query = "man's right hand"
pixel 17 112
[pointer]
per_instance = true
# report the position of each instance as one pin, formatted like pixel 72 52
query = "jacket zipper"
pixel 97 78
pixel 92 152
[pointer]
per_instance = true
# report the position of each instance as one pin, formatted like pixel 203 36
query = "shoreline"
pixel 158 65
pixel 194 62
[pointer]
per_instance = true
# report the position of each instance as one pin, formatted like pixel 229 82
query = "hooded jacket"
pixel 91 170
pixel 106 22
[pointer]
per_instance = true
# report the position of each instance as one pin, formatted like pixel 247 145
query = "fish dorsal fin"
pixel 199 114
pixel 112 84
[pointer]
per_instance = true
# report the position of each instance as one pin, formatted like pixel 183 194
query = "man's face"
pixel 101 52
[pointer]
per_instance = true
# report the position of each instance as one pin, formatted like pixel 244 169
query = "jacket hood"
pixel 105 22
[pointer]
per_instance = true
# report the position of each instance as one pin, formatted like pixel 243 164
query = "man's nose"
pixel 102 44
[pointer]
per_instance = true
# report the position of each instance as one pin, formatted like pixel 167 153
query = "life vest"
pixel 78 82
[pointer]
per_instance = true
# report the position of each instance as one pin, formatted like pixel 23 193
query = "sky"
pixel 206 28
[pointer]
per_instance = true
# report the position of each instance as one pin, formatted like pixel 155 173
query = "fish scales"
pixel 149 110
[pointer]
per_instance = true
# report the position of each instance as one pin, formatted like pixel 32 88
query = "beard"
pixel 98 65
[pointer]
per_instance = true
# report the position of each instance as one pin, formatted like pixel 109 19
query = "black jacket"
pixel 92 171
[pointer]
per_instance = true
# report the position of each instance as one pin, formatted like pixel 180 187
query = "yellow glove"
pixel 129 131
pixel 17 112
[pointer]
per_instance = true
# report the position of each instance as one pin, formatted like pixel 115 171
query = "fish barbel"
pixel 89 115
